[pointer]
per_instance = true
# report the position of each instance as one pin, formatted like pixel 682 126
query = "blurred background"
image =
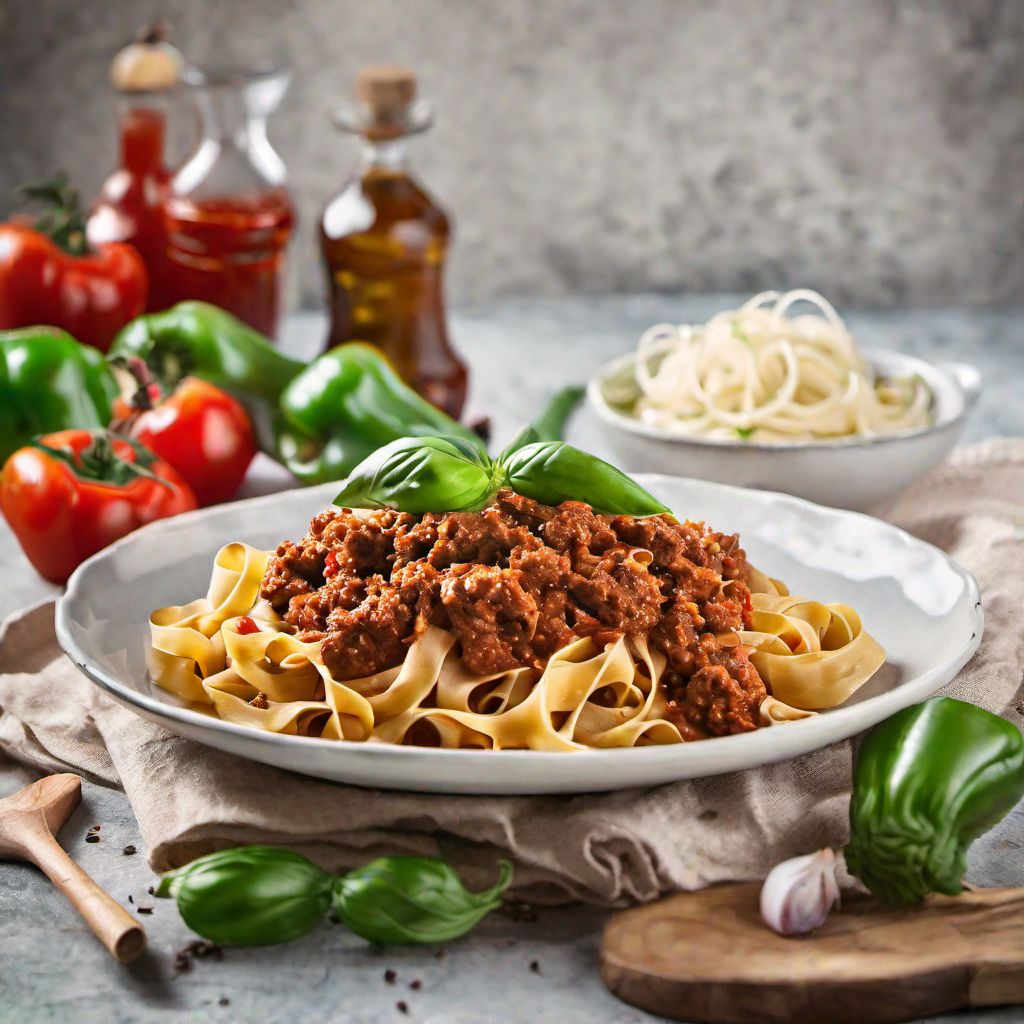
pixel 871 149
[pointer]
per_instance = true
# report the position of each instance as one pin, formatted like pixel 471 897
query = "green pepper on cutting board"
pixel 49 382
pixel 927 783
pixel 347 404
pixel 200 340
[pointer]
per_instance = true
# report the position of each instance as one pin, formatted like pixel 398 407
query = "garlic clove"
pixel 798 894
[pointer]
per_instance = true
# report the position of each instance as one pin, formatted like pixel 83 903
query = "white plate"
pixel 921 607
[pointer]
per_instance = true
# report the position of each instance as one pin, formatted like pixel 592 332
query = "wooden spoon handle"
pixel 113 925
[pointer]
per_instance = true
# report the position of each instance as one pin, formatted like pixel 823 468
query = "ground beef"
pixel 517 582
pixel 494 618
pixel 722 696
pixel 370 637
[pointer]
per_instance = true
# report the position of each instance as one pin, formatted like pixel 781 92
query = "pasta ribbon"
pixel 810 655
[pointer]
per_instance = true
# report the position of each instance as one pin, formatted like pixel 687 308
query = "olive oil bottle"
pixel 384 241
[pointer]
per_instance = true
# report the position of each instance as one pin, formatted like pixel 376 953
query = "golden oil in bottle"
pixel 384 241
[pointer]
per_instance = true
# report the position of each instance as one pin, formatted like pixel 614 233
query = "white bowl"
pixel 921 607
pixel 854 473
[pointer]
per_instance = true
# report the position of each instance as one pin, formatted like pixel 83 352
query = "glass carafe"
pixel 228 215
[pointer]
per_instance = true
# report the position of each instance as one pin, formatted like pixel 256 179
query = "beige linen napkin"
pixel 604 848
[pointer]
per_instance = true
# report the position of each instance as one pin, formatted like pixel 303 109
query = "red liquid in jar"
pixel 230 252
pixel 130 205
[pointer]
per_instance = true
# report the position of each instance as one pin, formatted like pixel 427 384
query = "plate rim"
pixel 912 691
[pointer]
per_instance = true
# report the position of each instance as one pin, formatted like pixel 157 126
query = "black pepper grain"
pixel 415 984
pixel 198 949
pixel 129 850
pixel 517 910
pixel 390 976
pixel 92 838
pixel 145 910
pixel 535 966
pixel 203 949
pixel 223 1001
pixel 402 1006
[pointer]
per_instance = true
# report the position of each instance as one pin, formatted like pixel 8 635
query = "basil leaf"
pixel 420 474
pixel 412 899
pixel 552 472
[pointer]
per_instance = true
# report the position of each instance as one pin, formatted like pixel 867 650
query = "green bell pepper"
pixel 347 404
pixel 49 382
pixel 200 340
pixel 927 783
pixel 320 420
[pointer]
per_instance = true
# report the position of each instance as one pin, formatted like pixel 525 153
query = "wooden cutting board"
pixel 707 956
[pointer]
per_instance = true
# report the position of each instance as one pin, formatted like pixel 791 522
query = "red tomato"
pixel 199 430
pixel 76 491
pixel 90 295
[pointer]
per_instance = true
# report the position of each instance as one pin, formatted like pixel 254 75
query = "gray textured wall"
pixel 872 149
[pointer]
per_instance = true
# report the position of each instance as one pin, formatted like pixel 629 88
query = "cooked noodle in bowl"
pixel 760 373
pixel 288 642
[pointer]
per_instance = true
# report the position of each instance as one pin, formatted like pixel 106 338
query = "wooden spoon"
pixel 28 821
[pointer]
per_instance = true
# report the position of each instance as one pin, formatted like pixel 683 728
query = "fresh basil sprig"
pixel 421 474
pixel 258 895
pixel 443 474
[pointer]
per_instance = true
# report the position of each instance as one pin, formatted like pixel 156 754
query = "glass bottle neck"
pixel 234 153
pixel 224 115
pixel 143 123
pixel 392 155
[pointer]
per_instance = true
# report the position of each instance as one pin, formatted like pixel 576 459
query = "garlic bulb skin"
pixel 798 894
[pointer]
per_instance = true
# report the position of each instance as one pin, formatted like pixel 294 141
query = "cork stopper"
pixel 150 64
pixel 387 91
pixel 387 107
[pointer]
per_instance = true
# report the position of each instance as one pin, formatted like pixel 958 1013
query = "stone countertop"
pixel 52 970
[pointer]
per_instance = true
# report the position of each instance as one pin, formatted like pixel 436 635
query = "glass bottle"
pixel 228 214
pixel 384 240
pixel 130 203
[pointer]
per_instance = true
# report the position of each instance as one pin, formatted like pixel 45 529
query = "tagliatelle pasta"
pixel 590 693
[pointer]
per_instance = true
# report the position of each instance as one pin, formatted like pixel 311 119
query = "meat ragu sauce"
pixel 517 582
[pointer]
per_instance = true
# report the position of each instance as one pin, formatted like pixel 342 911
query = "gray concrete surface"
pixel 51 970
pixel 870 148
